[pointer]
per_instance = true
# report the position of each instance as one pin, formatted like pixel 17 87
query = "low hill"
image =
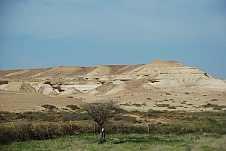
pixel 152 84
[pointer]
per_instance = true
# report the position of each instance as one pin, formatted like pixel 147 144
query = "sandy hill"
pixel 158 82
pixel 19 86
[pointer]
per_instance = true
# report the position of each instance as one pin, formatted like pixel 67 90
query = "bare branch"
pixel 100 111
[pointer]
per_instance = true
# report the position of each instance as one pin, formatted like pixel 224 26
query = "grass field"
pixel 126 142
pixel 75 131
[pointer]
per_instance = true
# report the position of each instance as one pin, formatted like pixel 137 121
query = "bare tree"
pixel 100 111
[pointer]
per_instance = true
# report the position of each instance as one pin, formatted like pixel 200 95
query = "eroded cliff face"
pixel 159 74
pixel 148 86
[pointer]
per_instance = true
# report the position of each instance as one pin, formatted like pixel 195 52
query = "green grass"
pixel 198 131
pixel 5 112
pixel 126 142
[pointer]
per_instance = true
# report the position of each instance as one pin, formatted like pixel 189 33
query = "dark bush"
pixel 24 132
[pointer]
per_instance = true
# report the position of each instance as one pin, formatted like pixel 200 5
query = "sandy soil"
pixel 187 99
pixel 24 101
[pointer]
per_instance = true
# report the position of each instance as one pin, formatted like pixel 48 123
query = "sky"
pixel 49 33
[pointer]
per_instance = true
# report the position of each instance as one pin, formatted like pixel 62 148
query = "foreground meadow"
pixel 125 130
pixel 126 142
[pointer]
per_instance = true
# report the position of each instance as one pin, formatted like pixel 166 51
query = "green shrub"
pixel 125 118
pixel 126 104
pixel 214 100
pixel 135 111
pixel 214 106
pixel 218 108
pixel 157 111
pixel 5 112
pixel 162 105
pixel 171 107
pixel 137 105
pixel 28 112
pixel 73 107
pixel 49 107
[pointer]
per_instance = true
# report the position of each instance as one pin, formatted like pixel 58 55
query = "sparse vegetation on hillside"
pixel 214 106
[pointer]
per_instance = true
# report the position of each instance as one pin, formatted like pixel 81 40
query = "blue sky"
pixel 48 33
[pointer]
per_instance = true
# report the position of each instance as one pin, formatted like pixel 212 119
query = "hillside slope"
pixel 145 83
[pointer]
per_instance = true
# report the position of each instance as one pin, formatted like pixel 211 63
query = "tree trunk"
pixel 102 135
